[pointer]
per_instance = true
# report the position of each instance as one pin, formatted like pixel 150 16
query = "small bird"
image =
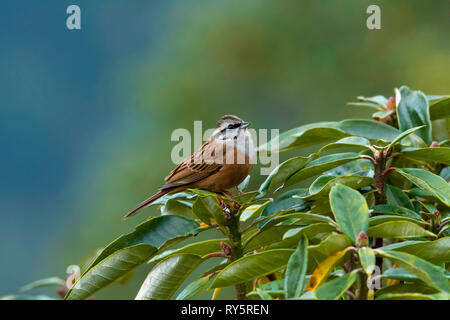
pixel 221 163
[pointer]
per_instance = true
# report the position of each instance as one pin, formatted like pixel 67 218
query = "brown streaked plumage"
pixel 209 167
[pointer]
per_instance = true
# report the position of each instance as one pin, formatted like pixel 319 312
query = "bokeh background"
pixel 86 115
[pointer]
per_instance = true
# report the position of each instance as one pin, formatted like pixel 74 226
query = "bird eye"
pixel 230 126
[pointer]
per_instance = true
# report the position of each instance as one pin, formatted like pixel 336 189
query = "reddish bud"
pixel 362 240
pixel 437 213
pixel 226 248
pixel 435 144
pixel 390 104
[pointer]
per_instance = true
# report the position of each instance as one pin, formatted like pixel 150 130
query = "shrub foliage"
pixel 373 224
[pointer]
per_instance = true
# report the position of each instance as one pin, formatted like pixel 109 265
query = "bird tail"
pixel 144 203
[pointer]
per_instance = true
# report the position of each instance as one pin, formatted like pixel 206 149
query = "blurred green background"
pixel 86 116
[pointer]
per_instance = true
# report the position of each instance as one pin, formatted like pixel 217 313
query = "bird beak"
pixel 245 124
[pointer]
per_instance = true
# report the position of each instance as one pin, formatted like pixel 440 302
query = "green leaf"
pixel 401 211
pixel 437 155
pixel 194 288
pixel 431 274
pixel 333 243
pixel 253 210
pixel 334 289
pixel 369 129
pixel 244 184
pixel 246 197
pixel 389 218
pixel 296 270
pixel 439 107
pixel 396 197
pixel 176 206
pixel 131 250
pixel 403 135
pixel 252 266
pixel 158 232
pixel 285 202
pixel 207 208
pixel 398 230
pixel 378 100
pixel 437 251
pixel 350 210
pixel 322 132
pixel 405 296
pixel 347 142
pixel 282 172
pixel 413 111
pixel 310 231
pixel 47 282
pixel 165 278
pixel 304 136
pixel 266 237
pixel 367 258
pixel 321 187
pixel 109 269
pixel 320 165
pixel 199 248
pixel 429 182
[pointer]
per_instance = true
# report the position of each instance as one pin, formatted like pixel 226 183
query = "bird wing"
pixel 198 166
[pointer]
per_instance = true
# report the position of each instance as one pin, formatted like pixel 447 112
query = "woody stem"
pixel 235 238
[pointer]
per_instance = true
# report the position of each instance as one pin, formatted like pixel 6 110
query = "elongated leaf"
pixel 157 232
pixel 347 142
pixel 369 129
pixel 401 211
pixel 199 248
pixel 252 266
pixel 398 230
pixel 375 220
pixel 296 270
pixel 321 187
pixel 110 269
pixel 266 237
pixel 285 202
pixel 282 172
pixel 438 155
pixel 310 231
pixel 427 272
pixel 350 210
pixel 253 210
pixel 396 197
pixel 367 258
pixel 404 134
pixel 321 132
pixel 304 136
pixel 405 296
pixel 378 100
pixel 334 289
pixel 177 206
pixel 165 278
pixel 246 197
pixel 207 208
pixel 130 250
pixel 403 275
pixel 323 270
pixel 413 111
pixel 439 107
pixel 194 288
pixel 437 251
pixel 429 182
pixel 320 165
pixel 333 243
